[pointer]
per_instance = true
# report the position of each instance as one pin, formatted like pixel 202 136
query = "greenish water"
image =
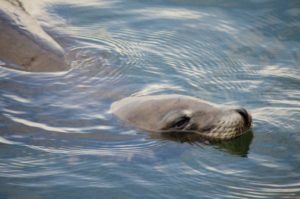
pixel 59 140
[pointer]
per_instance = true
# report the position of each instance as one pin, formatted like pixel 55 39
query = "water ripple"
pixel 58 137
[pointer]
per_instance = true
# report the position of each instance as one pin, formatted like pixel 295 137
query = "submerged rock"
pixel 24 45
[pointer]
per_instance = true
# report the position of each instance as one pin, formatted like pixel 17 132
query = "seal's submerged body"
pixel 177 113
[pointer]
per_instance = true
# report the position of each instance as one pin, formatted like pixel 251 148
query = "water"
pixel 59 140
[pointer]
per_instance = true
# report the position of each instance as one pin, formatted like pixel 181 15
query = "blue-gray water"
pixel 59 140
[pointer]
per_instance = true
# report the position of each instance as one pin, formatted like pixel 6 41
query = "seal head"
pixel 177 113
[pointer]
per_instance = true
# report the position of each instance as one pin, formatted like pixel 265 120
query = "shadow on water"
pixel 239 146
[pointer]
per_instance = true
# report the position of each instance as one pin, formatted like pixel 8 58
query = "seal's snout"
pixel 246 116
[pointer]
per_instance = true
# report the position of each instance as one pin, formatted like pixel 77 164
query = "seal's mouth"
pixel 229 129
pixel 223 130
pixel 227 133
pixel 234 124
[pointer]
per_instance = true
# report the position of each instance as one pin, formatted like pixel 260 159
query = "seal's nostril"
pixel 245 115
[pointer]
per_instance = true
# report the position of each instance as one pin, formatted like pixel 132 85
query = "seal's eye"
pixel 181 122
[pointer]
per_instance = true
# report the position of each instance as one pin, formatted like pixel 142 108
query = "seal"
pixel 183 114
pixel 24 44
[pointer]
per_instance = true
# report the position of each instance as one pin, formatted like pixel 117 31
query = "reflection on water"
pixel 239 146
pixel 59 140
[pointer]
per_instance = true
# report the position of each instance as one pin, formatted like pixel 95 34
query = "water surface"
pixel 59 140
